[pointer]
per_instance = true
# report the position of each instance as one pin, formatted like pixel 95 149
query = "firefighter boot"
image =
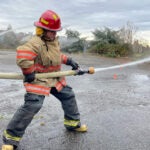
pixel 74 125
pixel 7 147
pixel 82 128
pixel 10 147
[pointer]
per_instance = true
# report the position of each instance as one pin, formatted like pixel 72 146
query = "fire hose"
pixel 19 76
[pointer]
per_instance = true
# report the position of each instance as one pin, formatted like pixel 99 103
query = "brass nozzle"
pixel 91 70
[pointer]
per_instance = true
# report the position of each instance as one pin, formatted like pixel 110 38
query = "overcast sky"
pixel 82 15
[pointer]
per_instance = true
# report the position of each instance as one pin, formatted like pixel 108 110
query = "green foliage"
pixel 107 42
pixel 74 47
pixel 72 34
pixel 117 50
pixel 111 50
pixel 106 36
pixel 77 44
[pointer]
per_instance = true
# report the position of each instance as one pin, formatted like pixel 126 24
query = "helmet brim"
pixel 38 24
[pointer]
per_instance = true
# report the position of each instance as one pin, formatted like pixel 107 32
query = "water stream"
pixel 124 65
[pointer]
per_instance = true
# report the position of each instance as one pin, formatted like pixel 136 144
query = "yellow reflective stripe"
pixel 8 136
pixel 55 17
pixel 72 123
pixel 44 21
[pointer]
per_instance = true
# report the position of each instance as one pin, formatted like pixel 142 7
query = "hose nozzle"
pixel 81 72
pixel 91 70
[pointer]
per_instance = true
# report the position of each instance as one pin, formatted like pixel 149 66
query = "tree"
pixel 106 36
pixel 75 42
pixel 108 42
pixel 72 34
pixel 10 40
pixel 127 32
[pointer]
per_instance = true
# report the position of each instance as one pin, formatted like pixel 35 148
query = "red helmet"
pixel 49 20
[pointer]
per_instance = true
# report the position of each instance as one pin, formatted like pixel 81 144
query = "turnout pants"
pixel 32 104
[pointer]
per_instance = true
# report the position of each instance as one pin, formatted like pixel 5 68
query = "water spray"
pixel 123 65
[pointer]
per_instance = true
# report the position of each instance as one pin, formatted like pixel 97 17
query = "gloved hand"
pixel 80 72
pixel 72 63
pixel 29 77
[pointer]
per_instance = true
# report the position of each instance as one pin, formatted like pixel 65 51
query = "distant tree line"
pixel 10 40
pixel 107 42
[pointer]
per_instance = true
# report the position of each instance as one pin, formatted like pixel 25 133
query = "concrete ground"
pixel 115 104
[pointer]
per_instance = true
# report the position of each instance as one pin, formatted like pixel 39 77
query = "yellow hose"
pixel 19 76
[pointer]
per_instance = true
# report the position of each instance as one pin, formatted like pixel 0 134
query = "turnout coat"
pixel 41 57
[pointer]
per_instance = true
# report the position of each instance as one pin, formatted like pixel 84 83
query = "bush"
pixel 111 50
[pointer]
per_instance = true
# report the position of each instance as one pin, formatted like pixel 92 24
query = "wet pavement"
pixel 115 104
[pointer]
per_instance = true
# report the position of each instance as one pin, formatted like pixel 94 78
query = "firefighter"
pixel 41 54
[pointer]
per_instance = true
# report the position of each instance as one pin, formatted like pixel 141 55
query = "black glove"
pixel 29 77
pixel 72 63
pixel 80 72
